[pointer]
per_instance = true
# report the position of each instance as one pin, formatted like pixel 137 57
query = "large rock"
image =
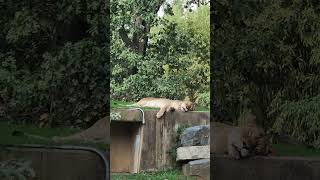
pixel 198 168
pixel 196 136
pixel 193 152
pixel 97 133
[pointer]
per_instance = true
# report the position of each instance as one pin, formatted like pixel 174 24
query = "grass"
pixel 114 104
pixel 6 130
pixel 119 104
pixel 161 175
pixel 295 150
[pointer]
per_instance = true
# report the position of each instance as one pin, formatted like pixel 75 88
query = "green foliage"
pixel 53 60
pixel 176 62
pixel 301 120
pixel 204 99
pixel 76 74
pixel 16 170
pixel 177 142
pixel 266 54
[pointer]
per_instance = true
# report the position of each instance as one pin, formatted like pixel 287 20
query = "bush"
pixel 301 120
pixel 204 99
pixel 53 59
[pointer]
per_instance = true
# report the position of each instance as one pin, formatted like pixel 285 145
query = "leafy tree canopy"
pixel 174 60
pixel 53 59
pixel 266 59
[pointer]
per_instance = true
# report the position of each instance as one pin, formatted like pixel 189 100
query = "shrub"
pixel 301 120
pixel 204 99
pixel 53 59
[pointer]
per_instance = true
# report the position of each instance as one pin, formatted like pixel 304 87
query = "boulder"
pixel 193 153
pixel 196 136
pixel 97 133
pixel 198 168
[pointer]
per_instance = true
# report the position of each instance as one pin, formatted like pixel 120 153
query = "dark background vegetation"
pixel 54 59
pixel 266 59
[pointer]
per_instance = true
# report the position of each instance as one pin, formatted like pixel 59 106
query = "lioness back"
pixel 166 105
pixel 153 102
pixel 159 102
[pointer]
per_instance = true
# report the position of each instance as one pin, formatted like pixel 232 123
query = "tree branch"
pixel 124 36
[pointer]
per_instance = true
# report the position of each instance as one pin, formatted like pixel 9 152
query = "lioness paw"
pixel 159 115
pixel 244 153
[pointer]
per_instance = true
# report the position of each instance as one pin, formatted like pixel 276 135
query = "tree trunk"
pixel 139 41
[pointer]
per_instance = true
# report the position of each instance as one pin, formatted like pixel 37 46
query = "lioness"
pixel 238 142
pixel 165 105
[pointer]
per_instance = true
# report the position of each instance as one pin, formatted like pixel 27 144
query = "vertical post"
pixel 137 149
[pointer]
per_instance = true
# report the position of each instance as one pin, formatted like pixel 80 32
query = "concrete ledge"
pixel 265 168
pixel 129 115
pixel 135 115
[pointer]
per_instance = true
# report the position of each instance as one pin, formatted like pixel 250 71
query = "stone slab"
pixel 197 168
pixel 193 153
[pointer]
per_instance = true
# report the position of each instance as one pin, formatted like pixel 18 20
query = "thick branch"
pixel 139 40
pixel 124 36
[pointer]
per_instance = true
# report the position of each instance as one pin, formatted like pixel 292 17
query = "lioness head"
pixel 187 106
pixel 255 139
pixel 251 135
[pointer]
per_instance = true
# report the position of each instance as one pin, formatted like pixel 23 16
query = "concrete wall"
pixel 158 138
pixel 54 164
pixel 160 134
pixel 265 168
pixel 122 146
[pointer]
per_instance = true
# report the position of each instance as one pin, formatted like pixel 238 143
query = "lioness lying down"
pixel 165 105
pixel 239 142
